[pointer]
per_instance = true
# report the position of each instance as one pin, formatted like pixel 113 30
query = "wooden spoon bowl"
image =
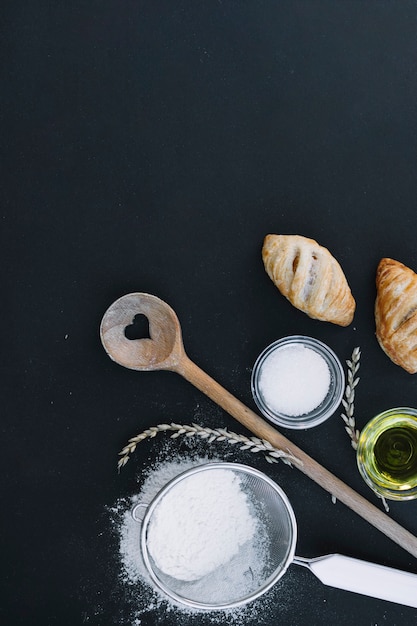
pixel 162 350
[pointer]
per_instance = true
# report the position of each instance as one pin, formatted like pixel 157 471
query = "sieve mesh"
pixel 259 563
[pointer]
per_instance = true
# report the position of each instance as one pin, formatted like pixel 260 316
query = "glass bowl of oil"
pixel 387 454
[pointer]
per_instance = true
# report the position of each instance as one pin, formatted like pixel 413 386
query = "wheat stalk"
pixel 254 444
pixel 349 406
pixel 349 399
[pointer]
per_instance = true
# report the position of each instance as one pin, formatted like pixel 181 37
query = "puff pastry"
pixel 396 313
pixel 309 277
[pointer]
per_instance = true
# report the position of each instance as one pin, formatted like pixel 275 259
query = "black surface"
pixel 150 146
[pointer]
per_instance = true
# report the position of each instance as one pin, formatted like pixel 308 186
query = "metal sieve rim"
pixel 235 467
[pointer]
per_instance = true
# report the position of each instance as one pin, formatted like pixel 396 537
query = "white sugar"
pixel 294 380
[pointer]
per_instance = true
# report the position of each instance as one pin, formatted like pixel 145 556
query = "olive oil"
pixel 387 454
pixel 395 454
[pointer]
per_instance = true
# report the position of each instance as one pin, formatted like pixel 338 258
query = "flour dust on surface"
pixel 143 604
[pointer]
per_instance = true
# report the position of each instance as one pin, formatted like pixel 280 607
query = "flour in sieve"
pixel 134 569
pixel 140 593
pixel 200 524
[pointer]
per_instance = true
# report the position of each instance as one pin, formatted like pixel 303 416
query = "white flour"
pixel 130 552
pixel 200 524
pixel 142 602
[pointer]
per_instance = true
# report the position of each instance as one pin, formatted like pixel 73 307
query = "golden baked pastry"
pixel 309 277
pixel 396 313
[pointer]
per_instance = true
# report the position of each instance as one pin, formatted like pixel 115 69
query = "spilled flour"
pixel 147 604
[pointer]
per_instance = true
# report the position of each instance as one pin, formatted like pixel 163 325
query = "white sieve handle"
pixel 369 579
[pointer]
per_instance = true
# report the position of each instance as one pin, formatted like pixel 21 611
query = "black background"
pixel 150 146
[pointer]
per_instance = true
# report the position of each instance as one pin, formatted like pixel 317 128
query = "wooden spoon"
pixel 164 350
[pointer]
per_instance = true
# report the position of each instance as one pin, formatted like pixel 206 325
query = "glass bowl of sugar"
pixel 297 382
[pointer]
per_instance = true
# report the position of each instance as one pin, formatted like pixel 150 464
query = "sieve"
pixel 263 560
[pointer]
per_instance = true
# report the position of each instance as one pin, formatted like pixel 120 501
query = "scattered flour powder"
pixel 294 380
pixel 143 601
pixel 200 524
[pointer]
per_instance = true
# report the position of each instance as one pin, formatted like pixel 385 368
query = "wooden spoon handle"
pixel 307 465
